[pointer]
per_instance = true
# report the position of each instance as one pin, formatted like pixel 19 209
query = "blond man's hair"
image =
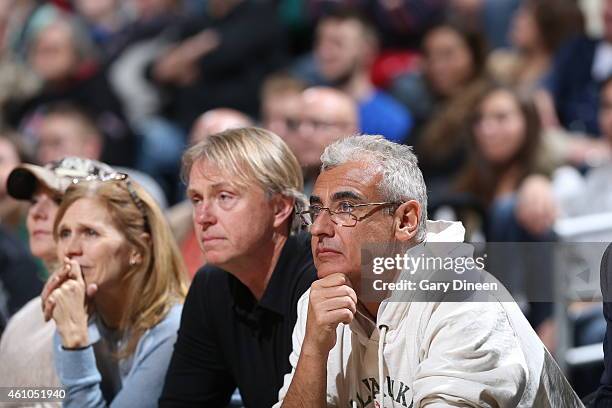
pixel 253 155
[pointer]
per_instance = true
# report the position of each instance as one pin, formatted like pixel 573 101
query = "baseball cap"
pixel 57 176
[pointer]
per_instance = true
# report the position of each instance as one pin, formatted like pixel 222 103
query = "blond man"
pixel 244 185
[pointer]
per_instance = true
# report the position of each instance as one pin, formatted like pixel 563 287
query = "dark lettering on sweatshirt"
pixel 395 390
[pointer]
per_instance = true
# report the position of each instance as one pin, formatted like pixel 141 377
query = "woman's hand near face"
pixel 70 307
pixel 55 281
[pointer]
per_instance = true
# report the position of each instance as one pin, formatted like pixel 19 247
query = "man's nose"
pixel 204 214
pixel 323 224
pixel 305 128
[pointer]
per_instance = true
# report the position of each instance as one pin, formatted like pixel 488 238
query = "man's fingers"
pixel 344 302
pixel 338 316
pixel 333 318
pixel 320 295
pixel 339 291
pixel 335 279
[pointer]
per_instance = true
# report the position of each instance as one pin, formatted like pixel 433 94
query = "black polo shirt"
pixel 227 339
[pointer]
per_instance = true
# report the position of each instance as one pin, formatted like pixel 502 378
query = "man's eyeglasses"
pixel 342 215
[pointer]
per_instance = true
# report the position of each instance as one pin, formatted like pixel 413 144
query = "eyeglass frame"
pixel 352 216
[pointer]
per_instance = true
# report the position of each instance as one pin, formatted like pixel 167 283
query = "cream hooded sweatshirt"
pixel 438 354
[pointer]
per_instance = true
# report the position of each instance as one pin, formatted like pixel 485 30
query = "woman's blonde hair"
pixel 252 155
pixel 160 280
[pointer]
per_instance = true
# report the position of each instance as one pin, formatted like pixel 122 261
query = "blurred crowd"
pixel 507 103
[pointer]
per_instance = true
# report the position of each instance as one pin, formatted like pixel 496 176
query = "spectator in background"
pixel 14 17
pixel 505 176
pixel 148 10
pixel 220 60
pixel 577 74
pixel 20 277
pixel 590 193
pixel 441 97
pixel 281 106
pixel 63 57
pixel 66 130
pixel 572 194
pixel 216 121
pixel 345 48
pixel 307 119
pixel 505 148
pixel 327 115
pixel 401 23
pixel 539 28
pixel 129 56
pixel 454 57
pixel 491 17
pixel 17 81
pixel 103 18
pixel 26 348
pixel 180 215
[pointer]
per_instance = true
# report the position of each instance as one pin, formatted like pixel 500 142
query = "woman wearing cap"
pixel 123 275
pixel 26 346
pixel 20 277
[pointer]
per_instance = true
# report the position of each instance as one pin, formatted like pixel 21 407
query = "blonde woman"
pixel 118 298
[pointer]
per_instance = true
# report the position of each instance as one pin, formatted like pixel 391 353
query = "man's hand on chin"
pixel 332 301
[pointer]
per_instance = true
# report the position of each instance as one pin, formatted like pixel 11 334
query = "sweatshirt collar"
pixel 391 312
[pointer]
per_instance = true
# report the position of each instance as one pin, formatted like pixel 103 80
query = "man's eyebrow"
pixel 315 199
pixel 344 195
pixel 222 184
pixel 217 186
pixel 340 195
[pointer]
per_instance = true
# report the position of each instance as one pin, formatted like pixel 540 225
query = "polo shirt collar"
pixel 275 297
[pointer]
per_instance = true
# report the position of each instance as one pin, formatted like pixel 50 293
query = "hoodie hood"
pixel 374 335
pixel 390 313
pixel 444 231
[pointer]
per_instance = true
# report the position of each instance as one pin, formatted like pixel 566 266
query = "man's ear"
pixel 407 217
pixel 283 207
